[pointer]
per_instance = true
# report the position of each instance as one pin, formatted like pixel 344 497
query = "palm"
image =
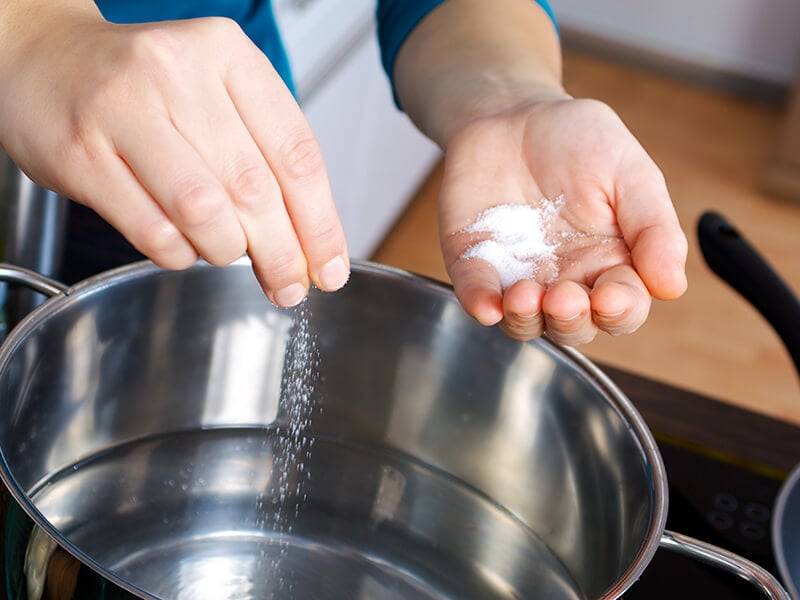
pixel 575 151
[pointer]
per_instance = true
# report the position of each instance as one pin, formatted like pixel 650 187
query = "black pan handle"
pixel 740 265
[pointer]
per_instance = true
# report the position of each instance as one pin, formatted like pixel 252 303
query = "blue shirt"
pixel 398 18
pixel 254 16
pixel 395 19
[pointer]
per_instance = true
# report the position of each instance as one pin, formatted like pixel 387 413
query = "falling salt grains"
pixel 296 404
pixel 292 443
pixel 518 245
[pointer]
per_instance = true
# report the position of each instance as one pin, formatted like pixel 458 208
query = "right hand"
pixel 181 135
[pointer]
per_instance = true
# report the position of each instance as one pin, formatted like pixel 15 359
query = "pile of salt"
pixel 517 246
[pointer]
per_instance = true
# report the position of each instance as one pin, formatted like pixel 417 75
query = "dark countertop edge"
pixel 676 415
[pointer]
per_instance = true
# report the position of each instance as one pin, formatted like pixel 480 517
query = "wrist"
pixel 470 59
pixel 24 22
pixel 490 98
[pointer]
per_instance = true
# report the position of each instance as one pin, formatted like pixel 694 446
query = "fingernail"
pixel 333 275
pixel 290 296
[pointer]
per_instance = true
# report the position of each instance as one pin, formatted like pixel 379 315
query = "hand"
pixel 181 135
pixel 616 238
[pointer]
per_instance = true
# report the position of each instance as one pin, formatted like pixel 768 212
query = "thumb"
pixel 651 229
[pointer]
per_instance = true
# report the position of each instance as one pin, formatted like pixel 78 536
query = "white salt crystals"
pixel 517 245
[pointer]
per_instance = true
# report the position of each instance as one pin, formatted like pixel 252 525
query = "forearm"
pixel 473 58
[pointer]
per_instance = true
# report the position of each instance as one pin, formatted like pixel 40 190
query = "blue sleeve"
pixel 397 18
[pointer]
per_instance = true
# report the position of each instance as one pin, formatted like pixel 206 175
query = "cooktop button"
pixel 756 512
pixel 752 531
pixel 720 520
pixel 725 501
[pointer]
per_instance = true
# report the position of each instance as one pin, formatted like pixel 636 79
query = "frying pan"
pixel 742 267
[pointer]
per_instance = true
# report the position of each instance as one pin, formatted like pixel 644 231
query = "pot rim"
pixel 621 403
pixel 658 475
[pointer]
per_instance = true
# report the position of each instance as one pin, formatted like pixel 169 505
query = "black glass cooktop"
pixel 714 499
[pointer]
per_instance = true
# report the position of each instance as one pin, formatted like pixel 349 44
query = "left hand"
pixel 618 239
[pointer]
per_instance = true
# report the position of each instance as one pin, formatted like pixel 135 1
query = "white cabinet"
pixel 376 158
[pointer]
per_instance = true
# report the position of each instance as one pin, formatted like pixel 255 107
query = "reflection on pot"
pixel 32 222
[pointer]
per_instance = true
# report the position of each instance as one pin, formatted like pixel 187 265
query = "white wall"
pixel 376 158
pixel 759 39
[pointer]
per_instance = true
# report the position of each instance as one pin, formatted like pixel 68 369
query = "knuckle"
pixel 574 338
pixel 226 250
pixel 196 205
pixel 520 332
pixel 158 240
pixel 225 27
pixel 251 189
pixel 573 332
pixel 302 156
pixel 155 45
pixel 282 268
pixel 325 232
pixel 618 330
pixel 226 257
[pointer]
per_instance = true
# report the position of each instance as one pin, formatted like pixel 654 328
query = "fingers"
pixel 190 144
pixel 478 289
pixel 522 309
pixel 571 313
pixel 659 255
pixel 284 138
pixel 255 198
pixel 620 301
pixel 117 196
pixel 650 226
pixel 568 316
pixel 235 167
pixel 188 191
pixel 563 312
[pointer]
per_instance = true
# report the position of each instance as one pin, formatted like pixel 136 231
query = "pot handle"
pixel 727 561
pixel 741 266
pixel 31 279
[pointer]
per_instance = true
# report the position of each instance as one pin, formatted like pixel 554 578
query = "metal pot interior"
pixel 184 437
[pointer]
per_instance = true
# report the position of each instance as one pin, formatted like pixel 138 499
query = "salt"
pixel 518 246
pixel 291 447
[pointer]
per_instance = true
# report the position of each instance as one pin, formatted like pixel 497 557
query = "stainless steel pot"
pixel 32 222
pixel 173 435
pixel 742 267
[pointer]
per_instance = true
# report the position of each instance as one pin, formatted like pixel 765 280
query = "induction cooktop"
pixel 718 499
